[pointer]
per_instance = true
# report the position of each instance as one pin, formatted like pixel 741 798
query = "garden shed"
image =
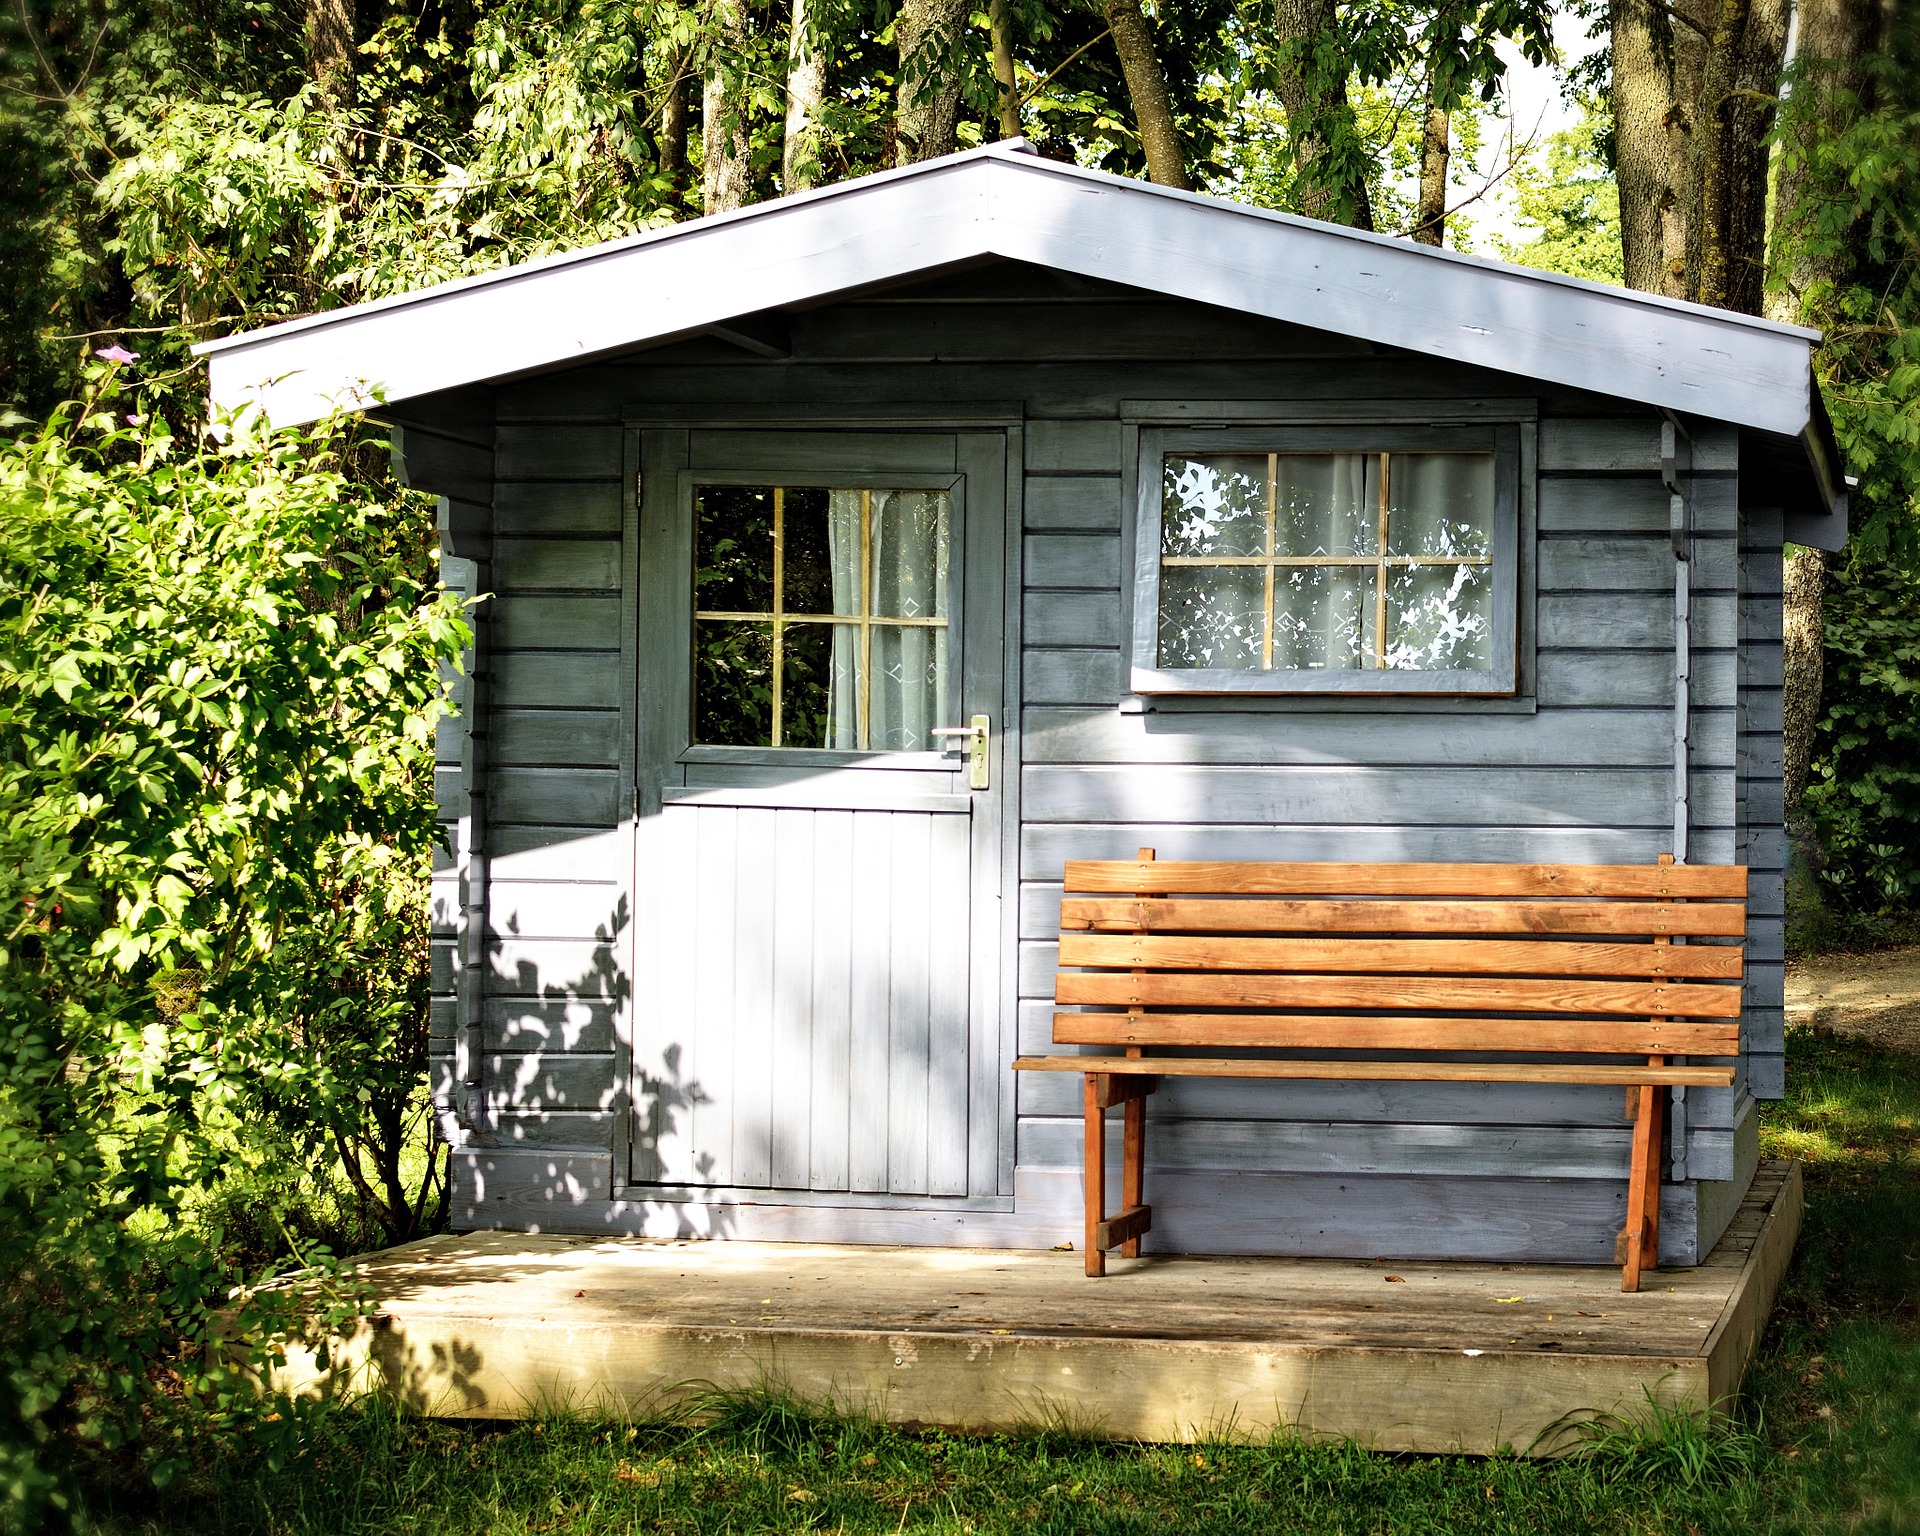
pixel 1196 527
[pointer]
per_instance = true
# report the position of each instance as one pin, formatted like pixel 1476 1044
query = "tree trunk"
pixel 1430 218
pixel 1693 84
pixel 1331 164
pixel 927 101
pixel 329 26
pixel 1007 83
pixel 723 112
pixel 1642 99
pixel 1836 37
pixel 1804 588
pixel 1147 87
pixel 674 114
pixel 806 89
pixel 1726 176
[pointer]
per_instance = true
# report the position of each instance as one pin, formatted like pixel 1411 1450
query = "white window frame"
pixel 1501 680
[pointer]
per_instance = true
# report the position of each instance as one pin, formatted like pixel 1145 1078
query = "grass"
pixel 1829 1440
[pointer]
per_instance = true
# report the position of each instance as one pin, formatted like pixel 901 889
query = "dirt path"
pixel 1874 996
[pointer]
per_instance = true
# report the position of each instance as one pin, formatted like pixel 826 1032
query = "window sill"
pixel 1368 685
pixel 1198 702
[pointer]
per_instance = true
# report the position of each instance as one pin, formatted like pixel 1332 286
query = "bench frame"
pixel 1442 1012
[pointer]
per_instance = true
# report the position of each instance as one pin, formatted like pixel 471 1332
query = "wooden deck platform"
pixel 1401 1356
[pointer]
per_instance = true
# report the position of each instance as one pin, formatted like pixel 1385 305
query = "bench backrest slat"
pixel 1196 914
pixel 1412 957
pixel 1444 994
pixel 1424 957
pixel 1149 877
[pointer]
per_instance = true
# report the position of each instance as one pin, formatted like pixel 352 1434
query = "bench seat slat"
pixel 1199 914
pixel 1619 1037
pixel 1388 1071
pixel 1424 957
pixel 1148 877
pixel 1466 994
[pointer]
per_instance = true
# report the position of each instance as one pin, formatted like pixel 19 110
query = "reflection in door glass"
pixel 820 616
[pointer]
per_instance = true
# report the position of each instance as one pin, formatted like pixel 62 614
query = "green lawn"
pixel 1830 1440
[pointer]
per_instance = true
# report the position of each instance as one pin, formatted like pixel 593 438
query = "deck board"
pixel 1400 1356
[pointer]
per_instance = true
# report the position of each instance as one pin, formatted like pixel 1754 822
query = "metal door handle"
pixel 974 738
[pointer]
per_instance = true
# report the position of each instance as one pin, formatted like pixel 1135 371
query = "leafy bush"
pixel 1865 789
pixel 218 685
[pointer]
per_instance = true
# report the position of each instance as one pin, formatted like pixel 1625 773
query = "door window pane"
pixel 821 616
pixel 733 683
pixel 1327 562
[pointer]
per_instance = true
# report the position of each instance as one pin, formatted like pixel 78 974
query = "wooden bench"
pixel 1510 962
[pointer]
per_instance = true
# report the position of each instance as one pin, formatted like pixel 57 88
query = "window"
pixel 1306 564
pixel 820 616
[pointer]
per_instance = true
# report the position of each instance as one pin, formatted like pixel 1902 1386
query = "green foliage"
pixel 1573 203
pixel 1865 788
pixel 1386 118
pixel 218 682
pixel 1861 214
pixel 1386 55
pixel 1858 223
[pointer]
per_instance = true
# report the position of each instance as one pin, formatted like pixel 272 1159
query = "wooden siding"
pixel 559 975
pixel 1577 768
pixel 1761 807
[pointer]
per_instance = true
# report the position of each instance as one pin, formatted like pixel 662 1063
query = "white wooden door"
pixel 817 997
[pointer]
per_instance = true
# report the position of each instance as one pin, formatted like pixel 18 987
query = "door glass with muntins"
pixel 821 616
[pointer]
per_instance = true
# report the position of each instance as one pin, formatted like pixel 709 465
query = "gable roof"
pixel 1005 201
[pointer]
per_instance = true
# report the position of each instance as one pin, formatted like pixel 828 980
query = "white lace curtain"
pixel 907 543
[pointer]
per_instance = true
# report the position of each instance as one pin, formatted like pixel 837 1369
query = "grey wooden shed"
pixel 731 942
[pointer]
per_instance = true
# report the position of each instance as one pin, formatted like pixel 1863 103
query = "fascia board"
pixel 1688 358
pixel 524 320
pixel 676 282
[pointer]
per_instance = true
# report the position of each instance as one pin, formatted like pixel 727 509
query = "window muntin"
pixel 821 616
pixel 1327 562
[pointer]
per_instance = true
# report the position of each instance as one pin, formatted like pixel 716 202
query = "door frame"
pixel 657 540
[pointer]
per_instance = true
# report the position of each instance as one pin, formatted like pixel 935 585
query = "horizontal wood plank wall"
pixel 1580 770
pixel 450 871
pixel 556 920
pixel 1761 806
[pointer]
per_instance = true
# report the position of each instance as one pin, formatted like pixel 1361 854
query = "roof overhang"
pixel 1004 201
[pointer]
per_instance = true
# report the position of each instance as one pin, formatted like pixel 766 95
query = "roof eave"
pixel 570 309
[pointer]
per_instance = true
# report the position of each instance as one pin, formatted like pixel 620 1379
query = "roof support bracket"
pixel 764 334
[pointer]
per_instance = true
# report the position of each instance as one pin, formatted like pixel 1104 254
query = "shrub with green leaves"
pixel 1865 789
pixel 219 676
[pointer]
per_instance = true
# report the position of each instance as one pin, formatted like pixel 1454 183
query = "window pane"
pixel 807 686
pixel 1211 615
pixel 1327 504
pixel 910 554
pixel 733 684
pixel 1216 505
pixel 733 549
pixel 1440 618
pixel 807 560
pixel 1441 504
pixel 1323 617
pixel 909 687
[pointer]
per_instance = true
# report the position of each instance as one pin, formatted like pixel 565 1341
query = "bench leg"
pixel 1643 1189
pixel 1133 1174
pixel 1096 1175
